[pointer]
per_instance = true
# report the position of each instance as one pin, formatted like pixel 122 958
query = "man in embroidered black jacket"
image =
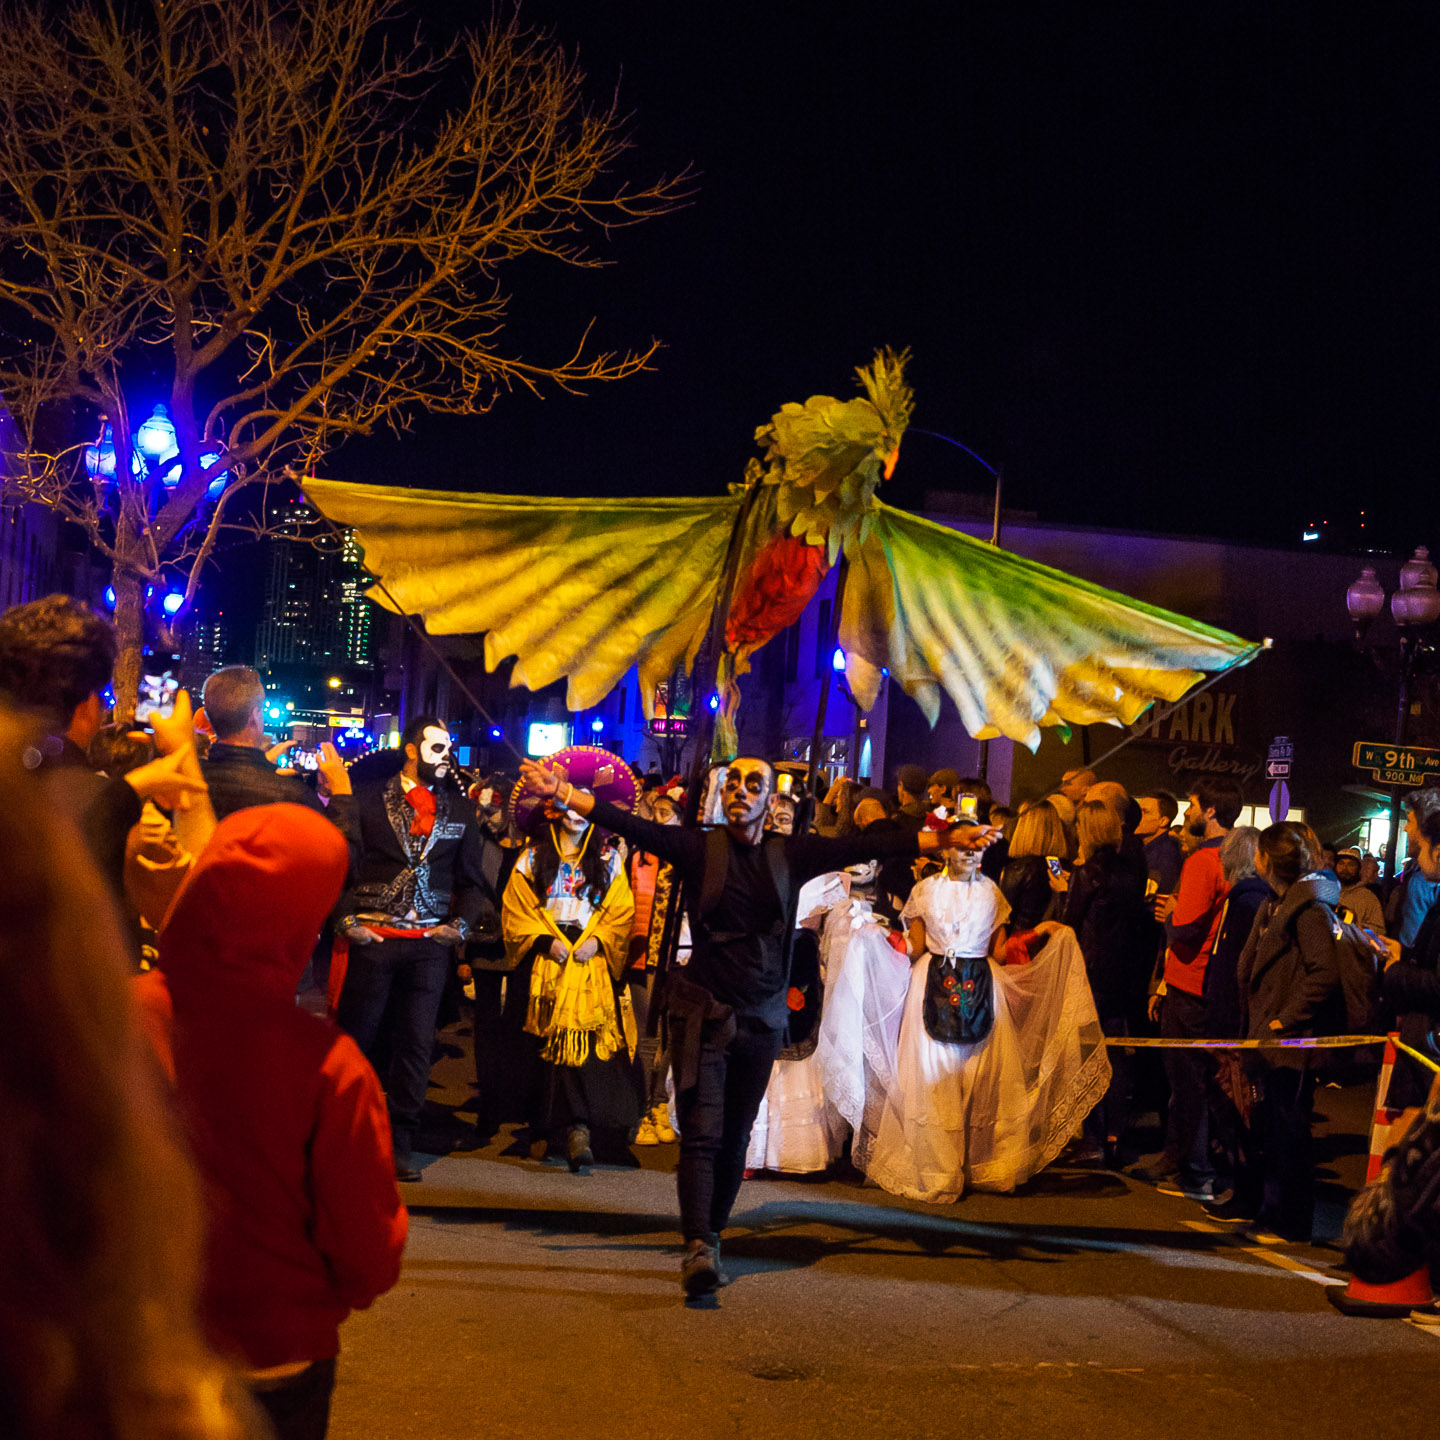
pixel 417 870
pixel 730 1000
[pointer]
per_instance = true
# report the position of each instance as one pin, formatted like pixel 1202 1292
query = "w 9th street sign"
pixel 1396 764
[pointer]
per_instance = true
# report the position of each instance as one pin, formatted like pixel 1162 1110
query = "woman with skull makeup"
pixel 996 1066
pixel 568 908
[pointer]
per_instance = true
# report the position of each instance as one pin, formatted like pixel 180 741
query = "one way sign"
pixel 1277 762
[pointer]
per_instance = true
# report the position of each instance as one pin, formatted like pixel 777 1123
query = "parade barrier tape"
pixel 1313 1042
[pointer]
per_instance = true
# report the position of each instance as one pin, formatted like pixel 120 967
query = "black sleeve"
pixel 105 824
pixel 1408 987
pixel 685 849
pixel 812 855
pixel 473 891
pixel 343 812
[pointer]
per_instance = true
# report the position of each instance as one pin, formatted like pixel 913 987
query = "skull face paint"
pixel 433 762
pixel 745 794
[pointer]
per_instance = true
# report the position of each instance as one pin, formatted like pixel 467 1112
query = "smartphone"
pixel 969 807
pixel 1152 888
pixel 157 696
pixel 1053 861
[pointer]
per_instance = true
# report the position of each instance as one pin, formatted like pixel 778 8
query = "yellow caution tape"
pixel 1425 1060
pixel 1309 1042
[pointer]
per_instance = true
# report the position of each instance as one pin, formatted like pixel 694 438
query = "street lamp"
pixel 1415 607
pixel 837 664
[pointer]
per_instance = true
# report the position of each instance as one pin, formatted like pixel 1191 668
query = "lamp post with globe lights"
pixel 1415 608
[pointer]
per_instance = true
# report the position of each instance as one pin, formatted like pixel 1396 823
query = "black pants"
pixel 1281 1123
pixel 1183 1017
pixel 716 1116
pixel 409 976
pixel 299 1408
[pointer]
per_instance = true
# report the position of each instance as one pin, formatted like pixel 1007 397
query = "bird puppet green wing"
pixel 586 589
pixel 580 590
pixel 1015 644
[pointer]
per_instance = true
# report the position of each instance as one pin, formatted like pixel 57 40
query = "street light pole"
pixel 1415 607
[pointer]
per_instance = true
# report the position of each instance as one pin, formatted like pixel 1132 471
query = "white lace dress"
pixel 988 1116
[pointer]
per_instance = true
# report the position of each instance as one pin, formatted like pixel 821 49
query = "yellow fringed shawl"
pixel 572 1002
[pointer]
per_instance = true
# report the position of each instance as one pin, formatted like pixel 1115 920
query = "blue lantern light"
pixel 100 456
pixel 837 661
pixel 110 597
pixel 714 702
pixel 216 487
pixel 155 439
pixel 597 725
pixel 172 602
pixel 496 733
pixel 275 712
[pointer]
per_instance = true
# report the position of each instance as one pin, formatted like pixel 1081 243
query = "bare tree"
pixel 299 215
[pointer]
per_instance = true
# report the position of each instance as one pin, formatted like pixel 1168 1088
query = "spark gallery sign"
pixel 1199 735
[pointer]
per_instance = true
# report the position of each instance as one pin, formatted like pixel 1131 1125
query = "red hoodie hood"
pixel 250 914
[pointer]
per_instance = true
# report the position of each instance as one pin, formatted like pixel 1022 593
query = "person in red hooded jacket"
pixel 284 1114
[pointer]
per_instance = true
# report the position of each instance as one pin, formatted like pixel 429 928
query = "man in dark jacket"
pixel 240 773
pixel 56 656
pixel 911 783
pixel 419 887
pixel 1410 987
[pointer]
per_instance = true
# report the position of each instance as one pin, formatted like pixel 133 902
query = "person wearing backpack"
pixel 1291 985
pixel 726 1011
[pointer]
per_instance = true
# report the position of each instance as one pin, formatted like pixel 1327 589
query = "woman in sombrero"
pixel 568 905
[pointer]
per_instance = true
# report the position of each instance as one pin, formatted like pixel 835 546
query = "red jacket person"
pixel 284 1114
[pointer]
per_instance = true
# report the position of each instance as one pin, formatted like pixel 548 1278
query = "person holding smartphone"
pixel 1035 867
pixel 239 769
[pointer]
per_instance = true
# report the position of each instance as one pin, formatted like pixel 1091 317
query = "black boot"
pixel 578 1149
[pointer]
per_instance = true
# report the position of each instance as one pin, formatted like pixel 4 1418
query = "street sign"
pixel 1396 764
pixel 1277 761
pixel 1279 802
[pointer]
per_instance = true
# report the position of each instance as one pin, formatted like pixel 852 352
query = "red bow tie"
pixel 422 802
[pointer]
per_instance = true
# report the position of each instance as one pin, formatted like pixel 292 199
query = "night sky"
pixel 1172 266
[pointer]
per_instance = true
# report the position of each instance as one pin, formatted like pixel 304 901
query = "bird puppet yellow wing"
pixel 585 589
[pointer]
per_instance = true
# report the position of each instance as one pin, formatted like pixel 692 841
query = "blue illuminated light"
pixel 172 602
pixel 216 487
pixel 275 712
pixel 155 439
pixel 837 661
pixel 496 733
pixel 110 596
pixel 714 702
pixel 597 725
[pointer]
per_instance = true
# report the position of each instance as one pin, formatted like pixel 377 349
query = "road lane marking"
pixel 1270 1256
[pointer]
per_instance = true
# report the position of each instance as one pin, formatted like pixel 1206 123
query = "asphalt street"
pixel 536 1302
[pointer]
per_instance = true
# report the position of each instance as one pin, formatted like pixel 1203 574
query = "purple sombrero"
pixel 586 767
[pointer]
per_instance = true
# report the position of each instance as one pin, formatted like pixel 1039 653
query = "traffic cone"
pixel 1399 1298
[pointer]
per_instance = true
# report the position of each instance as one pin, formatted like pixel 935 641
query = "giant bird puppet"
pixel 585 589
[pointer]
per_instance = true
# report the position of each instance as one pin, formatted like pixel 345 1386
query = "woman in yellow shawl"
pixel 568 905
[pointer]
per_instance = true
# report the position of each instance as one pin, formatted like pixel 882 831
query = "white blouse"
pixel 960 916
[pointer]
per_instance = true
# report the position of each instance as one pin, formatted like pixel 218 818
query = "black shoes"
pixel 577 1149
pixel 1233 1211
pixel 700 1272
